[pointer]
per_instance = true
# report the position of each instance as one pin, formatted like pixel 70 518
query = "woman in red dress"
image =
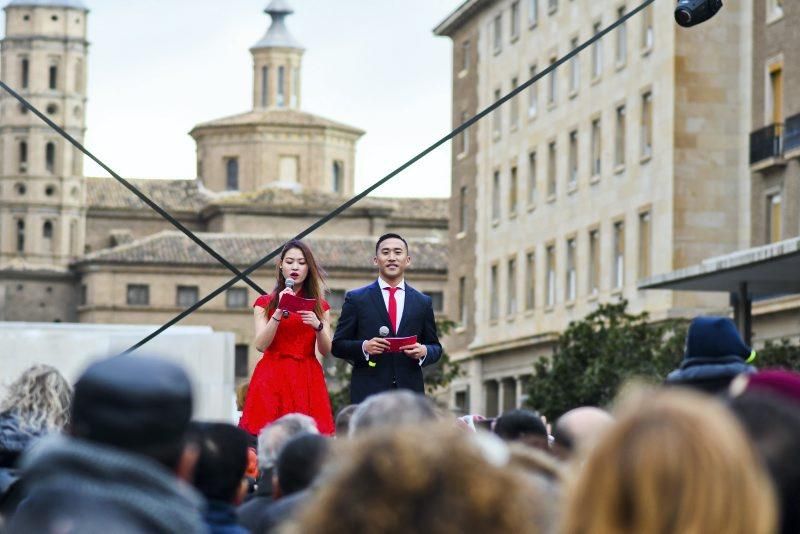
pixel 289 378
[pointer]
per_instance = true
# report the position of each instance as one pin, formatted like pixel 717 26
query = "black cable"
pixel 572 53
pixel 144 198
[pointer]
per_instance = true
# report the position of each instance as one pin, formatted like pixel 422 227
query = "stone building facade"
pixel 90 251
pixel 629 160
pixel 775 149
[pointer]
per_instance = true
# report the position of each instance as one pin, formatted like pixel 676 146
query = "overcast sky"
pixel 158 67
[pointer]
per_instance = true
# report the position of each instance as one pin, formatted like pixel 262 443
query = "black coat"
pixel 363 314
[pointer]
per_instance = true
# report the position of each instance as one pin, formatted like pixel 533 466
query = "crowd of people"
pixel 711 450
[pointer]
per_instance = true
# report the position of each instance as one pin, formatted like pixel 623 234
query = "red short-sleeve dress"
pixel 288 378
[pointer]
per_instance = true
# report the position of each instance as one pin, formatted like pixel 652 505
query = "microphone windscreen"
pixel 383 331
pixel 289 283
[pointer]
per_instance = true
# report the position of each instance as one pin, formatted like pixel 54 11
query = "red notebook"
pixel 293 303
pixel 396 342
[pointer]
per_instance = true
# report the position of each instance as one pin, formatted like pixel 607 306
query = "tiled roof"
pixel 176 195
pixel 286 198
pixel 277 117
pixel 170 247
pixel 421 208
pixel 170 194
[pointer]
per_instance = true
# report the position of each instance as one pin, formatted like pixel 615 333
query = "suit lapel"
pixel 377 302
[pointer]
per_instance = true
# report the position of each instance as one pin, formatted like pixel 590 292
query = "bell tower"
pixel 42 193
pixel 277 59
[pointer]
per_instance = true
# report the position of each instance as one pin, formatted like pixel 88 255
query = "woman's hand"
pixel 310 318
pixel 278 311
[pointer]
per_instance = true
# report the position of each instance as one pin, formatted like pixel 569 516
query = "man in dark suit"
pixel 392 303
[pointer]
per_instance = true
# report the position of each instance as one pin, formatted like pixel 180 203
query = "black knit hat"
pixel 134 403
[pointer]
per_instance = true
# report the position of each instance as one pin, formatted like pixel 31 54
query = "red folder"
pixel 293 303
pixel 396 342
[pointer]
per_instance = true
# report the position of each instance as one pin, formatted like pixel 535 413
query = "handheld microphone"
pixel 383 331
pixel 289 285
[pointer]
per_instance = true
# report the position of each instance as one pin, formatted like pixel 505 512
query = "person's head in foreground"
pixel 429 478
pixel 221 465
pixel 523 426
pixel 343 420
pixel 299 462
pixel 275 435
pixel 579 429
pixel 391 408
pixel 770 413
pixel 36 403
pixel 675 462
pixel 125 452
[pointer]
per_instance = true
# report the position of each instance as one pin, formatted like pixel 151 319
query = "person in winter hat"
pixel 715 354
pixel 126 454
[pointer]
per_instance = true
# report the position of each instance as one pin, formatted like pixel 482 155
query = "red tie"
pixel 393 307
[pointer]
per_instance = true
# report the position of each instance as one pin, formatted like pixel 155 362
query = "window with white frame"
pixel 513 187
pixel 618 274
pixel 530 281
pixel 533 93
pixel 514 106
pixel 597 53
pixel 533 13
pixel 648 31
pixel 574 69
pixel 647 125
pixel 496 196
pixel 494 295
pixel 551 276
pixel 620 135
pixel 532 178
pixel 622 39
pixel 571 274
pixel 573 159
pixel 597 147
pixel 515 20
pixel 511 290
pixel 497 28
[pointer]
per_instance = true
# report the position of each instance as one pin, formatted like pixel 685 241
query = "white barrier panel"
pixel 207 356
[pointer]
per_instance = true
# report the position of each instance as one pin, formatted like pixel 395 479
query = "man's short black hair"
pixel 222 462
pixel 517 424
pixel 300 461
pixel 384 237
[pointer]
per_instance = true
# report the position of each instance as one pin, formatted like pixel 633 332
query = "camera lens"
pixel 683 16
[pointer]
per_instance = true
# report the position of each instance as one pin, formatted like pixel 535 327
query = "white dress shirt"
pixel 400 299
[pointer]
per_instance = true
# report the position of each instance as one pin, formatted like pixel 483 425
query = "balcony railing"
pixel 791 133
pixel 766 143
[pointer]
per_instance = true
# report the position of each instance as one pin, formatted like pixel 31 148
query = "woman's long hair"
pixel 314 284
pixel 675 463
pixel 40 398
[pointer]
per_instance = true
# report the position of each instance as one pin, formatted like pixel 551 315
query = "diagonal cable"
pixel 144 198
pixel 336 212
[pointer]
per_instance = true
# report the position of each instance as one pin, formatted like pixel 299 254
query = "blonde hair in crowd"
pixel 676 464
pixel 41 398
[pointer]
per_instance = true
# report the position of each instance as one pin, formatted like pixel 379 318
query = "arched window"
pixel 26 72
pixel 20 235
pixel 232 174
pixel 23 156
pixel 50 157
pixel 337 177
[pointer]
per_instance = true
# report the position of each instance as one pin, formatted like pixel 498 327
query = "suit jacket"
pixel 363 313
